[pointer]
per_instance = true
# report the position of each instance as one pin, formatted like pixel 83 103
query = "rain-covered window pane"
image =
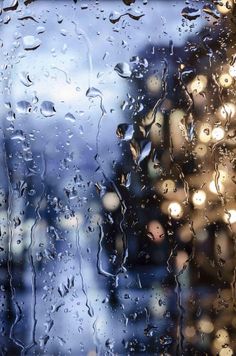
pixel 118 179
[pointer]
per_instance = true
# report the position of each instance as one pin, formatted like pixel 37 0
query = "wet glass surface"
pixel 117 180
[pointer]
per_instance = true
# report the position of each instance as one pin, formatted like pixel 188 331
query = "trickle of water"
pixel 10 5
pixel 63 290
pixel 210 9
pixel 31 42
pixel 93 93
pixel 133 14
pixel 43 341
pixel 47 109
pixel 123 70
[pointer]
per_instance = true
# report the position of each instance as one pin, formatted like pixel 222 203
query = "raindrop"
pixel 166 340
pixel 114 16
pixel 62 290
pixel 47 109
pixel 23 107
pixel 133 14
pixel 18 135
pixel 31 42
pixel 10 116
pixel 10 5
pixel 93 93
pixel 43 340
pixel 190 13
pixel 40 29
pixel 123 69
pixel 69 117
pixel 144 151
pixel 25 79
pixel 84 6
pixel 211 10
pixel 125 131
pixel 128 2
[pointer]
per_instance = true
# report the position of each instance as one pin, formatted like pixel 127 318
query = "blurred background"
pixel 117 187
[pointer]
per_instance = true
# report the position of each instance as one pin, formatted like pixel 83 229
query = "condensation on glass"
pixel 117 180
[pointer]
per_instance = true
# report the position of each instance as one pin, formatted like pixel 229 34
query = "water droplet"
pixel 125 131
pixel 18 135
pixel 31 42
pixel 25 79
pixel 69 117
pixel 10 5
pixel 47 109
pixel 43 340
pixel 115 16
pixel 190 13
pixel 211 10
pixel 10 116
pixel 40 29
pixel 166 340
pixel 93 93
pixel 23 107
pixel 62 290
pixel 123 69
pixel 145 150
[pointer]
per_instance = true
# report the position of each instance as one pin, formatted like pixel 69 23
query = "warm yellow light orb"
pixel 175 210
pixel 218 133
pixel 199 198
pixel 230 216
pixel 155 231
pixel 225 80
pixel 189 332
pixel 216 188
pixel 225 6
pixel 226 351
pixel 205 325
pixel 168 186
pixel 153 84
pixel 198 84
pixel 200 150
pixel 111 201
pixel 221 339
pixel 205 132
pixel 227 111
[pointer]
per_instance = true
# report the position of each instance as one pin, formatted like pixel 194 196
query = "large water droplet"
pixel 31 42
pixel 10 5
pixel 125 131
pixel 123 69
pixel 114 16
pixel 47 109
pixel 25 79
pixel 190 13
pixel 23 107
